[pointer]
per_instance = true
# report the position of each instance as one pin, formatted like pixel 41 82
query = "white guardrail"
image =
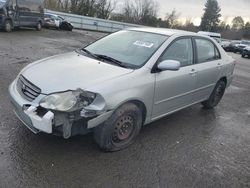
pixel 90 23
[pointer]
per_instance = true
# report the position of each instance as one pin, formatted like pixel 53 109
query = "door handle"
pixel 193 72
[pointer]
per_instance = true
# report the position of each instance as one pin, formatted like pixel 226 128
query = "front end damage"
pixel 80 120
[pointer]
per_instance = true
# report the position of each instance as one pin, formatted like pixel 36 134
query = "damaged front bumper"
pixel 65 124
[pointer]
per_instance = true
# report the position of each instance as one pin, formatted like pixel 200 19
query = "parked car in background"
pixel 246 52
pixel 21 13
pixel 231 46
pixel 225 43
pixel 113 89
pixel 240 47
pixel 57 22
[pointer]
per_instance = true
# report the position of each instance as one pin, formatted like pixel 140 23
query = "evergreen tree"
pixel 247 30
pixel 210 19
pixel 238 23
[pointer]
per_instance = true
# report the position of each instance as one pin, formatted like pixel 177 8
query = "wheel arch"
pixel 9 19
pixel 224 78
pixel 140 105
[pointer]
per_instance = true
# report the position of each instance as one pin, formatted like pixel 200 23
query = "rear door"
pixel 208 66
pixel 173 89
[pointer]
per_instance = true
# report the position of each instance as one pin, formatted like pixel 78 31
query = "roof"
pixel 209 33
pixel 162 31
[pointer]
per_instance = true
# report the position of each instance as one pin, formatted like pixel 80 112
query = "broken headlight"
pixel 68 101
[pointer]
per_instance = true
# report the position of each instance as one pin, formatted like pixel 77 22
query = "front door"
pixel 174 89
pixel 12 11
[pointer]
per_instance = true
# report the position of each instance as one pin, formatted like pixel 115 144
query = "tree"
pixel 189 25
pixel 210 19
pixel 139 12
pixel 104 8
pixel 171 19
pixel 247 30
pixel 238 23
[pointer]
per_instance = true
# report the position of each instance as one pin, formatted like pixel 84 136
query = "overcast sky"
pixel 194 8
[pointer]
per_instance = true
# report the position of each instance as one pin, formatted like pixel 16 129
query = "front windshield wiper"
pixel 89 53
pixel 111 59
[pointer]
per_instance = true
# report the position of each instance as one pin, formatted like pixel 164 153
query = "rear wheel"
pixel 8 26
pixel 216 95
pixel 121 129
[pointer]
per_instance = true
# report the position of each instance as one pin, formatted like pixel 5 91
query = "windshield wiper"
pixel 115 61
pixel 89 53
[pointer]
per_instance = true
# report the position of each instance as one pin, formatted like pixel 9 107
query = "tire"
pixel 39 26
pixel 216 95
pixel 242 55
pixel 8 26
pixel 120 130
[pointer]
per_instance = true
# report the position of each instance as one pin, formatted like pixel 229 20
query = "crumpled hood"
pixel 70 71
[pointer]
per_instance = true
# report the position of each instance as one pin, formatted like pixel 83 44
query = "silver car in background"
pixel 121 82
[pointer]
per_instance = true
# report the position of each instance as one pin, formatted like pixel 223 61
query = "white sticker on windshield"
pixel 143 44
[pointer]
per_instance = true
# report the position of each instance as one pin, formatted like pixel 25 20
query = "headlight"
pixel 68 101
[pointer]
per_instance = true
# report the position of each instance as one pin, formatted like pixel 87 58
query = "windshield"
pixel 132 48
pixel 2 3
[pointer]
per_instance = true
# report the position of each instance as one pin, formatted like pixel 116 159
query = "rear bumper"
pixel 229 80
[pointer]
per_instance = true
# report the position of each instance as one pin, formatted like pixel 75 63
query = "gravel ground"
pixel 191 148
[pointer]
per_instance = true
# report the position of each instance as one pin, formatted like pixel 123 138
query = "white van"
pixel 216 36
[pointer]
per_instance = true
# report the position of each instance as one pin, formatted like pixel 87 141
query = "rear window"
pixel 206 50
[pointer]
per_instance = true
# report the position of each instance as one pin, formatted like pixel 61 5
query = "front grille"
pixel 26 89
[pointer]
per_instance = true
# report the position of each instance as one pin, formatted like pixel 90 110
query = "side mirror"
pixel 172 65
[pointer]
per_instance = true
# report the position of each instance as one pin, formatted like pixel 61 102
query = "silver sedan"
pixel 121 82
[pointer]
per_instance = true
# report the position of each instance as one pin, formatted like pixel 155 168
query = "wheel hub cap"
pixel 124 128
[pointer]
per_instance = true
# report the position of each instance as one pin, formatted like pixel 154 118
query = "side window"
pixel 206 51
pixel 12 4
pixel 217 53
pixel 181 50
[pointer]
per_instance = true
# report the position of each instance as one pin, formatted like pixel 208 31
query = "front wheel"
pixel 216 95
pixel 242 55
pixel 39 26
pixel 120 130
pixel 8 26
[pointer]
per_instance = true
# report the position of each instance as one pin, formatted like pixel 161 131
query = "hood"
pixel 70 71
pixel 241 45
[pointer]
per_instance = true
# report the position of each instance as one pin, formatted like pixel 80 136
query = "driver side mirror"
pixel 171 65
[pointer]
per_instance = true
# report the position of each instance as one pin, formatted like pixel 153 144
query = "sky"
pixel 193 9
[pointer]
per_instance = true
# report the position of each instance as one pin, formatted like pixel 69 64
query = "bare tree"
pixel 140 12
pixel 104 8
pixel 172 18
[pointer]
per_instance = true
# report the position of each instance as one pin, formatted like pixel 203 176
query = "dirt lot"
pixel 191 148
